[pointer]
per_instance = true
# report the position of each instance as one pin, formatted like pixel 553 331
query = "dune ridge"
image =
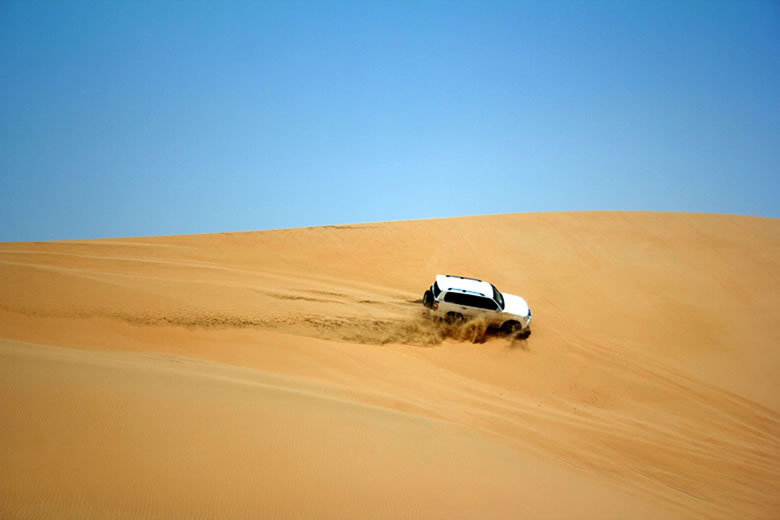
pixel 648 387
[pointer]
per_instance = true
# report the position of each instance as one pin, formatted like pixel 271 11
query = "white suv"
pixel 456 298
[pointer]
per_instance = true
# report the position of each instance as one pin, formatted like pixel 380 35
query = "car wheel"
pixel 511 327
pixel 428 299
pixel 455 317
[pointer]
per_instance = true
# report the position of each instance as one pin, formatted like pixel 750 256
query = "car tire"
pixel 511 327
pixel 428 299
pixel 454 317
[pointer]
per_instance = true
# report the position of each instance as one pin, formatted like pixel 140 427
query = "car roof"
pixel 463 284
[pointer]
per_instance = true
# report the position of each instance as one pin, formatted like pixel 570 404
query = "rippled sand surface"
pixel 294 374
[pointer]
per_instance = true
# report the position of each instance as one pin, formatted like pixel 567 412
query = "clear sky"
pixel 154 117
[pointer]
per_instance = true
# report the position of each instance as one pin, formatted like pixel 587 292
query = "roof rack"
pixel 463 277
pixel 466 291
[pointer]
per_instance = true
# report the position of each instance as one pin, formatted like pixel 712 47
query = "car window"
pixel 497 296
pixel 436 290
pixel 484 303
pixel 456 298
pixel 470 300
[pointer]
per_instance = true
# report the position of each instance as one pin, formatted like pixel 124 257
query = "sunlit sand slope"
pixel 292 373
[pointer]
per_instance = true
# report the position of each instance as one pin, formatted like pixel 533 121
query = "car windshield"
pixel 498 297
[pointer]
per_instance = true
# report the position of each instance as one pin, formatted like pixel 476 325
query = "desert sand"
pixel 292 373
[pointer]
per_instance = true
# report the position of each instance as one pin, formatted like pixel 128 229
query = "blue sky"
pixel 163 117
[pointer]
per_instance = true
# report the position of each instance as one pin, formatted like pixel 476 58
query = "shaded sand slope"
pixel 136 435
pixel 649 386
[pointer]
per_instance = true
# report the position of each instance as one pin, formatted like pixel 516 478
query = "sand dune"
pixel 291 373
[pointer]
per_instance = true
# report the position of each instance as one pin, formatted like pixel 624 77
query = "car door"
pixel 456 302
pixel 487 308
pixel 471 306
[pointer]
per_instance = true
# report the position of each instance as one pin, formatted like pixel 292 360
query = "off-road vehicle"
pixel 457 298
